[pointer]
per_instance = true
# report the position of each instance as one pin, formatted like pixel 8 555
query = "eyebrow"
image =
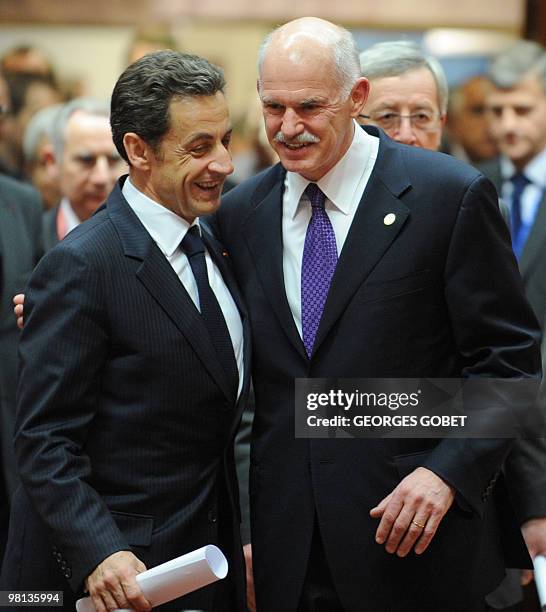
pixel 395 105
pixel 205 136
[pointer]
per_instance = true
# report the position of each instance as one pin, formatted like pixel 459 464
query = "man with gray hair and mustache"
pixel 357 257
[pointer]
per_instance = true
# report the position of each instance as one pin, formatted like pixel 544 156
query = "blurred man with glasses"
pixel 408 93
pixel 408 100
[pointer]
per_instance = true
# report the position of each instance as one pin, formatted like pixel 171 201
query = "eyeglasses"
pixel 423 120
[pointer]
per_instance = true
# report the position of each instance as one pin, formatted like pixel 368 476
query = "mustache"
pixel 304 138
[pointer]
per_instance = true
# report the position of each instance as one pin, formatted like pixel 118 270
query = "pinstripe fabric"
pixel 124 427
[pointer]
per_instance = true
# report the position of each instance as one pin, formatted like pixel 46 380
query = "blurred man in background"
pixel 468 135
pixel 516 108
pixel 88 165
pixel 40 167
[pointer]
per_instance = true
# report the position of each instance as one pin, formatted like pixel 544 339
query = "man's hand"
pixel 112 585
pixel 18 301
pixel 534 534
pixel 250 595
pixel 410 515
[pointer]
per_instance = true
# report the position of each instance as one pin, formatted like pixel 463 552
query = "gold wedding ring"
pixel 420 525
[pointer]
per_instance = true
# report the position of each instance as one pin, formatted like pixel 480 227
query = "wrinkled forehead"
pixel 88 130
pixel 528 91
pixel 416 88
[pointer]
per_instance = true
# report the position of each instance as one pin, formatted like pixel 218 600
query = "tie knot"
pixel 315 195
pixel 520 181
pixel 192 243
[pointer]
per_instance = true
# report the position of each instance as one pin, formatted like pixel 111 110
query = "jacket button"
pixel 212 516
pixel 68 573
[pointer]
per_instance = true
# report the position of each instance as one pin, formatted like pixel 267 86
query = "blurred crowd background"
pixel 55 51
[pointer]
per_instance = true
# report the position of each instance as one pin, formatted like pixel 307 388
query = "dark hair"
pixel 143 93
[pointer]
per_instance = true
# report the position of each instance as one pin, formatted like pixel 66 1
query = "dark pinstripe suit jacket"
pixel 124 431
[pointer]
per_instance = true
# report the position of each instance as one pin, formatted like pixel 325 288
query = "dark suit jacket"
pixel 49 225
pixel 124 433
pixel 20 250
pixel 524 469
pixel 435 294
pixel 533 257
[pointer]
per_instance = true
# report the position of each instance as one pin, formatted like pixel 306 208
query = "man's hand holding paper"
pixel 112 584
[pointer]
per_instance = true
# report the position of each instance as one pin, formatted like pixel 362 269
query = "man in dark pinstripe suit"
pixel 128 402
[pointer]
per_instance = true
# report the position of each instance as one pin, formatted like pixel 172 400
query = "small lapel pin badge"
pixel 389 219
pixel 225 253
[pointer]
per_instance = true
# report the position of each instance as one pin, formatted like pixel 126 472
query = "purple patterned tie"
pixel 317 266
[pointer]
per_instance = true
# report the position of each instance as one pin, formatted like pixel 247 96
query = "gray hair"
pixel 39 127
pixel 518 62
pixel 91 106
pixel 344 56
pixel 389 59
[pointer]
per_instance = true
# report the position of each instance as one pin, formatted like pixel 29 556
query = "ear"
pixel 138 151
pixel 47 155
pixel 358 96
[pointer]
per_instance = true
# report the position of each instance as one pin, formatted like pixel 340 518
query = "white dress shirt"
pixel 69 217
pixel 535 171
pixel 343 187
pixel 167 230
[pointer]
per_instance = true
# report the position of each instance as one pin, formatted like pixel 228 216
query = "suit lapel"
pixel 263 233
pixel 161 281
pixel 370 234
pixel 535 242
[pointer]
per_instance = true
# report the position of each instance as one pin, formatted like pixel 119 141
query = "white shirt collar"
pixel 71 219
pixel 165 227
pixel 340 183
pixel 535 170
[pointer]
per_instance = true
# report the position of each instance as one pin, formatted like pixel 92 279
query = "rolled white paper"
pixel 176 577
pixel 540 579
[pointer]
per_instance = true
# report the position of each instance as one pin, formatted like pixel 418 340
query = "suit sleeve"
pixel 495 330
pixel 242 461
pixel 63 347
pixel 526 478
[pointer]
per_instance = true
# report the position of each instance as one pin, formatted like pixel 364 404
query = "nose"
pixel 508 120
pixel 221 164
pixel 100 173
pixel 291 125
pixel 405 133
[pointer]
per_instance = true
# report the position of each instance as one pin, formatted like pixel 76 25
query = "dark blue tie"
pixel 192 244
pixel 519 182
